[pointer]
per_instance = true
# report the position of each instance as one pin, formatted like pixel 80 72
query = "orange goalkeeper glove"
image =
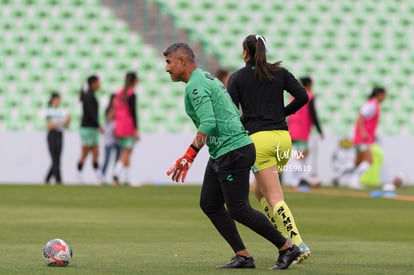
pixel 183 164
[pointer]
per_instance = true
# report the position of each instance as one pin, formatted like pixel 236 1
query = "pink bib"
pixel 300 123
pixel 370 126
pixel 124 123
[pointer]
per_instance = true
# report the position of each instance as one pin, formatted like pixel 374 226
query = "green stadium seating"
pixel 47 45
pixel 346 46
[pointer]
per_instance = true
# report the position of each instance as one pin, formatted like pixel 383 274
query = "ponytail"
pixel 124 96
pixel 130 79
pixel 87 86
pixel 82 91
pixel 256 48
pixel 261 71
pixel 110 104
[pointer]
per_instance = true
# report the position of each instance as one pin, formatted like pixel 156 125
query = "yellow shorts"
pixel 273 148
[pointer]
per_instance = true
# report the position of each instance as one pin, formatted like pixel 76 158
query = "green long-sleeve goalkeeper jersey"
pixel 209 105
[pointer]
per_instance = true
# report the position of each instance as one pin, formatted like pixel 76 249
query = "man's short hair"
pixel 183 48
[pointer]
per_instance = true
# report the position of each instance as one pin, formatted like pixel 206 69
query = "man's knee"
pixel 239 212
pixel 211 207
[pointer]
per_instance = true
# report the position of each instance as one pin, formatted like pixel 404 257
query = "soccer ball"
pixel 57 252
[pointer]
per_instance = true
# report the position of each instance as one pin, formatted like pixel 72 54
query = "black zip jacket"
pixel 90 110
pixel 262 102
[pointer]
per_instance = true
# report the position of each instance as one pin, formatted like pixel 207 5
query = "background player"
pixel 258 88
pixel 110 141
pixel 126 125
pixel 364 134
pixel 223 75
pixel 57 120
pixel 226 179
pixel 90 128
pixel 300 125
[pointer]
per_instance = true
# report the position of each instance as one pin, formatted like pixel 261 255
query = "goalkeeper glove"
pixel 183 164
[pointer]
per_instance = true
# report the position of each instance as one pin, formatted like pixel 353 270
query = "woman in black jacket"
pixel 258 89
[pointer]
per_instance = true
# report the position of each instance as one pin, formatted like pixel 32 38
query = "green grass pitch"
pixel 161 230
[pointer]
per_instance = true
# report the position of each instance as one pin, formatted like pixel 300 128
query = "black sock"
pixel 95 165
pixel 80 166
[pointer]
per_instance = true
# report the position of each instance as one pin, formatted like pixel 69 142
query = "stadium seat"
pixel 341 44
pixel 347 47
pixel 48 46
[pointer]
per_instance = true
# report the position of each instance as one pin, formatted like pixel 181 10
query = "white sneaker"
pixel 99 176
pixel 79 178
pixel 354 183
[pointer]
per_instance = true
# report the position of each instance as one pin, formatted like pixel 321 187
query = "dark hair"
pixel 110 104
pixel 221 73
pixel 183 48
pixel 52 97
pixel 376 91
pixel 306 81
pixel 256 50
pixel 130 79
pixel 90 81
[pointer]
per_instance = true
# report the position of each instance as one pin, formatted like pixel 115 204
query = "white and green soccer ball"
pixel 57 252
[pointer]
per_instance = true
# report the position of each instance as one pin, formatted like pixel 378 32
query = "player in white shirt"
pixel 56 120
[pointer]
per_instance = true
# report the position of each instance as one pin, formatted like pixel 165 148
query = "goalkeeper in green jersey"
pixel 232 153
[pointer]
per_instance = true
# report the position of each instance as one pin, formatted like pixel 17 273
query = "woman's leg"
pixel 269 185
pixel 268 190
pixel 56 157
pixel 125 158
pixel 363 162
pixel 122 166
pixel 50 146
pixel 55 147
pixel 234 173
pixel 84 154
pixel 49 174
pixel 95 156
pixel 95 162
pixel 299 158
pixel 107 156
pixel 367 156
pixel 118 151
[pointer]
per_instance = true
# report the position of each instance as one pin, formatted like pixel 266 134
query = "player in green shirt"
pixel 232 153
